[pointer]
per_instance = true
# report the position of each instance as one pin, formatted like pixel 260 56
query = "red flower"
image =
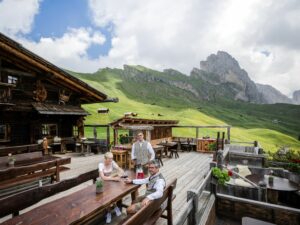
pixel 230 173
pixel 296 160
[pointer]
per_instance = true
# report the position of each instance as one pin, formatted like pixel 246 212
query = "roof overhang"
pixel 136 127
pixel 54 73
pixel 51 109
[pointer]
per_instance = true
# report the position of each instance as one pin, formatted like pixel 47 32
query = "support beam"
pixel 17 72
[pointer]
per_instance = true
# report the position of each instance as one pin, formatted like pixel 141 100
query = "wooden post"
pixel 220 159
pixel 169 207
pixel 95 132
pixel 57 171
pixel 115 136
pixel 107 137
pixel 197 132
pixel 192 217
pixel 148 135
pixel 228 135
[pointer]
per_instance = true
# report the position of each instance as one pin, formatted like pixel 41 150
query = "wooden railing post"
pixel 57 171
pixel 192 218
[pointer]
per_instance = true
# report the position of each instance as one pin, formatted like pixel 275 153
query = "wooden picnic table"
pixel 167 146
pixel 158 149
pixel 79 207
pixel 279 184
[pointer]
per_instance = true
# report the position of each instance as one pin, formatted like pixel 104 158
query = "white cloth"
pixel 149 148
pixel 243 170
pixel 158 186
pixel 256 149
pixel 108 169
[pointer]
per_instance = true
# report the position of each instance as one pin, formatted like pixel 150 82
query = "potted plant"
pixel 212 146
pixel 221 176
pixel 99 185
pixel 11 160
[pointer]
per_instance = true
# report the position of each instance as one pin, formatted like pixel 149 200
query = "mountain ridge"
pixel 219 71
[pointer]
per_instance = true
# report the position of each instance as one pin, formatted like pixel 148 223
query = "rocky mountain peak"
pixel 296 97
pixel 229 72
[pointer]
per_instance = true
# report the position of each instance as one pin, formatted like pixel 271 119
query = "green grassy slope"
pixel 250 122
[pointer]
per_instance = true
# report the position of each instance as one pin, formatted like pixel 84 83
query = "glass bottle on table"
pixel 139 172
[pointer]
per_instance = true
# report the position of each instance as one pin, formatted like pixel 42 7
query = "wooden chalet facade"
pixel 153 129
pixel 38 99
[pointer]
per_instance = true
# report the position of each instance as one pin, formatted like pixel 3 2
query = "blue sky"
pixel 56 16
pixel 86 35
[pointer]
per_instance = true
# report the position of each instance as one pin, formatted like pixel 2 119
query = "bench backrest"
pixel 13 176
pixel 4 151
pixel 24 157
pixel 146 212
pixel 14 203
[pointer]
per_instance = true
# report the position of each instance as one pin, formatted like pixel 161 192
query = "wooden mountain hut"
pixel 154 130
pixel 38 99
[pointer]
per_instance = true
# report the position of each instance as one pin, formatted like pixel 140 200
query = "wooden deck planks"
pixel 189 169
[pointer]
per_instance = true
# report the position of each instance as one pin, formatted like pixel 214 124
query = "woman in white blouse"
pixel 109 170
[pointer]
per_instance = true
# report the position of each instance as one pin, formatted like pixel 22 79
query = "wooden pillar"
pixel 95 132
pixel 115 136
pixel 192 216
pixel 148 135
pixel 0 70
pixel 107 137
pixel 228 135
pixel 197 132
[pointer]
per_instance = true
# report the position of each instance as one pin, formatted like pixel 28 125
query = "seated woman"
pixel 109 170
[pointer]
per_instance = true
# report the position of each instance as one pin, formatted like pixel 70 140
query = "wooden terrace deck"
pixel 189 169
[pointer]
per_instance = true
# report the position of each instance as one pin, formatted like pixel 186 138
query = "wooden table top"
pixel 76 208
pixel 279 183
pixel 168 144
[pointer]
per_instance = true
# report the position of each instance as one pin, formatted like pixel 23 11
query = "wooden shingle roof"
pixel 129 122
pixel 20 55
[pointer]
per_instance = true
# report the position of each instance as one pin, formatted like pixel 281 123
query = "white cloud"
pixel 178 34
pixel 17 15
pixel 175 34
pixel 70 50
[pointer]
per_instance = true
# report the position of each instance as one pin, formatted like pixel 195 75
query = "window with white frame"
pixel 49 130
pixel 4 132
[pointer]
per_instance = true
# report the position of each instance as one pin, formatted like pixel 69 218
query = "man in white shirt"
pixel 155 188
pixel 142 152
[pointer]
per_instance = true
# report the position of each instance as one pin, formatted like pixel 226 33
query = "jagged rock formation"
pixel 219 77
pixel 296 97
pixel 230 73
pixel 272 95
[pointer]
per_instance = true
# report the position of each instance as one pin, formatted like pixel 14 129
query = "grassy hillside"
pixel 272 125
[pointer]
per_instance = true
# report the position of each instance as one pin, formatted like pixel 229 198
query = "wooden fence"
pixel 198 211
pixel 193 212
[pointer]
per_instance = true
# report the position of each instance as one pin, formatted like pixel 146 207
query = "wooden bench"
pixel 12 177
pixel 4 151
pixel 24 158
pixel 14 203
pixel 151 213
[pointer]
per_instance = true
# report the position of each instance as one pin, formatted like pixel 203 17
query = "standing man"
pixel 142 152
pixel 156 184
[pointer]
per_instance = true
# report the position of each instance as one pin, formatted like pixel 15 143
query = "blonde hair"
pixel 108 155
